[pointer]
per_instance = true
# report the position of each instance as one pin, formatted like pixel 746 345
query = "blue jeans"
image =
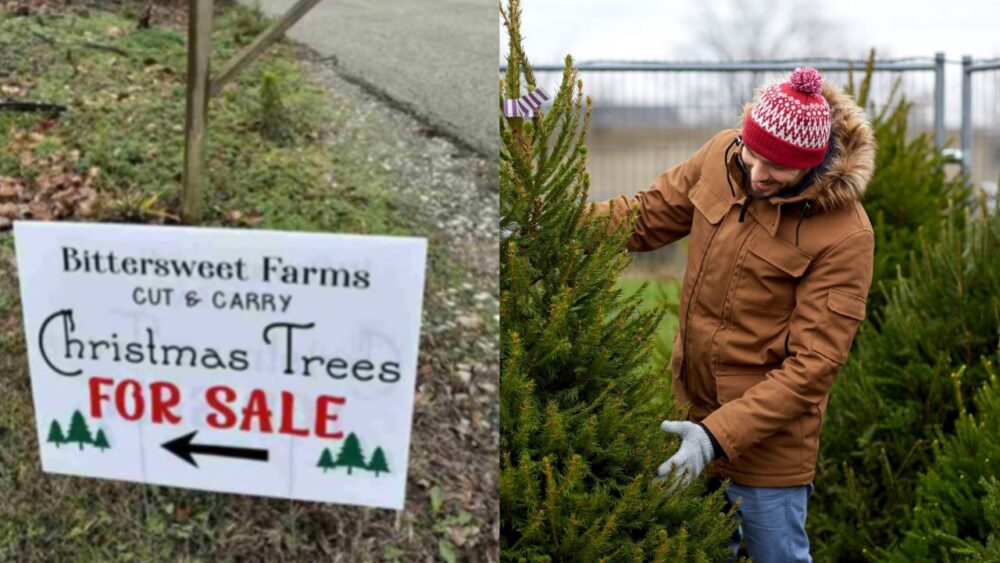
pixel 772 521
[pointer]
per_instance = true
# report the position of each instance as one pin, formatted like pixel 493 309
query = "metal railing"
pixel 648 116
pixel 980 133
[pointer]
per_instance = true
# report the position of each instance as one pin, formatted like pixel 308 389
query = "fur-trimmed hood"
pixel 849 163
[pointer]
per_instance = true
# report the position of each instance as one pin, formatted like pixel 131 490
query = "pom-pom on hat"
pixel 790 122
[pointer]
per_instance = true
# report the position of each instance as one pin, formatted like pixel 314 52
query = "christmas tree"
pixel 326 460
pixel 910 190
pixel 56 434
pixel 274 123
pixel 378 463
pixel 101 441
pixel 579 437
pixel 896 391
pixel 350 454
pixel 975 550
pixel 78 431
pixel 947 502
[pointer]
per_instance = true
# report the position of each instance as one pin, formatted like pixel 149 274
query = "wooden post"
pixel 199 52
pixel 263 41
pixel 200 89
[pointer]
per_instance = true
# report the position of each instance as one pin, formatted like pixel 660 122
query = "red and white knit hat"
pixel 790 122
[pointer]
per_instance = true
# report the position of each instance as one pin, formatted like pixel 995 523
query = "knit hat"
pixel 790 122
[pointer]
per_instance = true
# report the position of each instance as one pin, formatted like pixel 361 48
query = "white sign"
pixel 270 363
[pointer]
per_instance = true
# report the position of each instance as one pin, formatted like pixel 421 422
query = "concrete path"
pixel 435 58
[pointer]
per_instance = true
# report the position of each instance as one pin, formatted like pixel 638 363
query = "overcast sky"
pixel 642 29
pixel 664 30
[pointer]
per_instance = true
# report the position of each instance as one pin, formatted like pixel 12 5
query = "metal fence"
pixel 648 117
pixel 980 135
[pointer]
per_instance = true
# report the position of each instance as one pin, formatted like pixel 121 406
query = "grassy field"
pixel 658 292
pixel 115 154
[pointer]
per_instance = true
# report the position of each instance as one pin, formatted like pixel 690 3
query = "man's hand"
pixel 694 454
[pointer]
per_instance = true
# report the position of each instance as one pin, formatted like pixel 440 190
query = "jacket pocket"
pixel 771 269
pixel 732 387
pixel 711 207
pixel 754 339
pixel 835 334
pixel 708 214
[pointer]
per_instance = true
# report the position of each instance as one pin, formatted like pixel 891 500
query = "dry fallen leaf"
pixel 56 189
pixel 10 187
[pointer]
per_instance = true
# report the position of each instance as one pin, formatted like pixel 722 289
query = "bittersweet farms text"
pixel 273 269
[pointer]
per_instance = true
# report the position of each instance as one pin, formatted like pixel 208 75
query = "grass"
pixel 658 293
pixel 124 120
pixel 125 117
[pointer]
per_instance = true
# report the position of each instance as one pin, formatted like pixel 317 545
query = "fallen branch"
pixel 87 44
pixel 109 48
pixel 32 106
pixel 45 38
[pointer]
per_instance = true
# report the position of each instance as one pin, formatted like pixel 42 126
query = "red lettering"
pixel 323 414
pixel 257 407
pixel 225 417
pixel 287 416
pixel 137 402
pixel 161 404
pixel 96 396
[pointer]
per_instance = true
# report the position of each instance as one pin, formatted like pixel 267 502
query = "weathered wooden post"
pixel 200 88
pixel 263 41
pixel 199 55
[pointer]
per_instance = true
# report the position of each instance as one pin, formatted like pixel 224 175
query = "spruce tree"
pixel 56 434
pixel 988 550
pixel 378 463
pixel 895 392
pixel 910 191
pixel 350 455
pixel 326 460
pixel 274 122
pixel 948 505
pixel 579 438
pixel 78 431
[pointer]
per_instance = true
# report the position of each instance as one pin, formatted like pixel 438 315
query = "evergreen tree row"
pixel 915 366
pixel 951 513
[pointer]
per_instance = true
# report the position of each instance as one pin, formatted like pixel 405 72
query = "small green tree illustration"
pixel 56 434
pixel 326 460
pixel 78 431
pixel 101 441
pixel 378 463
pixel 350 455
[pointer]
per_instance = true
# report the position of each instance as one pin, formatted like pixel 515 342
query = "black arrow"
pixel 183 448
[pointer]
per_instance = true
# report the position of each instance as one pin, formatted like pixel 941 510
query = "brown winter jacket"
pixel 772 294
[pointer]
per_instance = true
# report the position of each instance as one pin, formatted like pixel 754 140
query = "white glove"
pixel 694 454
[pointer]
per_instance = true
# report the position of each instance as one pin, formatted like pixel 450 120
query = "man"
pixel 778 272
